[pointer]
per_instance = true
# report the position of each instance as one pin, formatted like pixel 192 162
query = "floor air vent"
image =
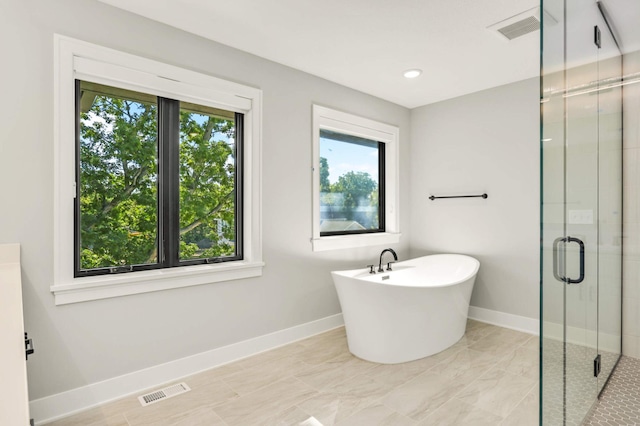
pixel 161 394
pixel 521 24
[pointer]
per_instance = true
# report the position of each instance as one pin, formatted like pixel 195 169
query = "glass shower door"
pixel 581 214
pixel 580 210
pixel 569 142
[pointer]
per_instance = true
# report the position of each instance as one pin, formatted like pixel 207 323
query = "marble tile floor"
pixel 490 377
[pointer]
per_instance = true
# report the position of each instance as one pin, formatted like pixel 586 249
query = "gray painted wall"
pixel 88 342
pixel 483 142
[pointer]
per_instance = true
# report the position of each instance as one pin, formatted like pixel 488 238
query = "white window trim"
pixel 78 59
pixel 330 119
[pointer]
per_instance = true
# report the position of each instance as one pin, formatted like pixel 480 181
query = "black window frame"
pixel 168 181
pixel 381 187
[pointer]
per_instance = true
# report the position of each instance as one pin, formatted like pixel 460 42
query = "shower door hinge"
pixel 597 38
pixel 596 366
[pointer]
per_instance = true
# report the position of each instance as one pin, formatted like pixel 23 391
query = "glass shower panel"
pixel 552 215
pixel 610 206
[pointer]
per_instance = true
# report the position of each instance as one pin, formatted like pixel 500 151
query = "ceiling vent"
pixel 521 24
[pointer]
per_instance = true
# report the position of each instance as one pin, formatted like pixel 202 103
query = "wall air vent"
pixel 159 395
pixel 521 24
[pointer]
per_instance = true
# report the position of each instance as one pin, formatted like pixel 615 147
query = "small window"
pixel 351 184
pixel 355 202
pixel 158 182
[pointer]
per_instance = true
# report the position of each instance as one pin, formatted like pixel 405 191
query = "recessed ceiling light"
pixel 412 73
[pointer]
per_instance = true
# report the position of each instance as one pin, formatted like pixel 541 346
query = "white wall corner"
pixel 631 346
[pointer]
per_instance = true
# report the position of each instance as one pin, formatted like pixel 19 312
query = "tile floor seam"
pixel 453 396
pixel 476 379
pixel 247 395
pixel 465 403
pixel 322 389
pixel 126 419
pixel 241 394
pixel 373 403
pixel 467 386
pixel 262 418
pixel 417 377
pixel 214 409
pixel 218 414
pixel 515 407
pixel 488 372
pixel 394 410
pixel 297 405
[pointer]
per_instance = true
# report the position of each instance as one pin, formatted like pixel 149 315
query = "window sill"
pixel 107 286
pixel 353 241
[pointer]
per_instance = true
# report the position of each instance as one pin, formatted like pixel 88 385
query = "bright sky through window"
pixel 346 157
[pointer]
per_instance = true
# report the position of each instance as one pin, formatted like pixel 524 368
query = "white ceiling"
pixel 367 44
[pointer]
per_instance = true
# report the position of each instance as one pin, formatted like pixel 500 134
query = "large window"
pixel 355 182
pixel 158 182
pixel 157 175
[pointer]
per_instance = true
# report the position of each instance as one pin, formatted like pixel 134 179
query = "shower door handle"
pixel 556 271
pixel 558 265
pixel 581 244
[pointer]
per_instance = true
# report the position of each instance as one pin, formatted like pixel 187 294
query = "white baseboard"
pixel 575 335
pixel 54 407
pixel 502 319
pixel 583 337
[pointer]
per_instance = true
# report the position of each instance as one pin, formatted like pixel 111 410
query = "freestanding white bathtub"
pixel 418 309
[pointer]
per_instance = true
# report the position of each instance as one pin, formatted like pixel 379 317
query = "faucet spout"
pixel 390 250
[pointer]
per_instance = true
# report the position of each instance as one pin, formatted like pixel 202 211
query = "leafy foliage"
pixel 356 188
pixel 207 174
pixel 118 191
pixel 325 185
pixel 119 184
pixel 350 191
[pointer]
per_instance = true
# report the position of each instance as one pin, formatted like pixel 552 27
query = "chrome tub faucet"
pixel 395 259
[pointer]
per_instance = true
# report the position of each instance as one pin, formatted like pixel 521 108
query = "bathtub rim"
pixel 363 275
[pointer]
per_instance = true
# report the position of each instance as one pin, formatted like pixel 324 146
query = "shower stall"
pixel 581 207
